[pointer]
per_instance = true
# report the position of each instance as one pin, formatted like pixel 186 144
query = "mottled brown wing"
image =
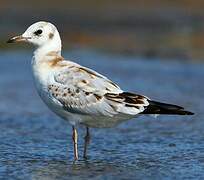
pixel 84 91
pixel 81 90
pixel 131 103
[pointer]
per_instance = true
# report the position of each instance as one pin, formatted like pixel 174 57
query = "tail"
pixel 163 108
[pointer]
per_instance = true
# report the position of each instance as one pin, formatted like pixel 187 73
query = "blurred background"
pixel 150 47
pixel 159 28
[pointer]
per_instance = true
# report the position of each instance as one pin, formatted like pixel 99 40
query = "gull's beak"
pixel 18 39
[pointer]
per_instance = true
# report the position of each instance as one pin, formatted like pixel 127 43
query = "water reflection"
pixel 94 169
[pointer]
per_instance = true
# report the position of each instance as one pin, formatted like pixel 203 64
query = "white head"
pixel 43 35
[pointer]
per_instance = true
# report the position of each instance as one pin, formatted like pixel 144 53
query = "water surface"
pixel 36 144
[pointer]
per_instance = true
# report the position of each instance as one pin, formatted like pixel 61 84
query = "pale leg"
pixel 74 136
pixel 86 142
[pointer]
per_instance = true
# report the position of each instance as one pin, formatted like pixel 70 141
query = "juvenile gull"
pixel 79 94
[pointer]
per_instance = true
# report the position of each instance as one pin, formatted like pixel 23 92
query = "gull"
pixel 78 94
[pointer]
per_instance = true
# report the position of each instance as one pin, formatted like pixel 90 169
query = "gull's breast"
pixel 44 74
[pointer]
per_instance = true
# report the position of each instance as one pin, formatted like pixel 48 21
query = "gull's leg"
pixel 86 142
pixel 74 136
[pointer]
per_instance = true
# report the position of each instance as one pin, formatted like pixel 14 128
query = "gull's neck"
pixel 43 56
pixel 49 50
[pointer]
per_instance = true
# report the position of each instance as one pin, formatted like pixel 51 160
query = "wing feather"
pixel 80 90
pixel 84 91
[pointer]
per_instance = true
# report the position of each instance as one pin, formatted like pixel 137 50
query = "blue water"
pixel 36 144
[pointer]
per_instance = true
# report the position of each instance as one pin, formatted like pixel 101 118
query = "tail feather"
pixel 163 108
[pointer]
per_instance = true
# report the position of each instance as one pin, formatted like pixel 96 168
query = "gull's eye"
pixel 38 32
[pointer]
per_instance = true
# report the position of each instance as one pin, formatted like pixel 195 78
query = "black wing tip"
pixel 164 108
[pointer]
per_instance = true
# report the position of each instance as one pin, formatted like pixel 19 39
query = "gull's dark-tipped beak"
pixel 17 39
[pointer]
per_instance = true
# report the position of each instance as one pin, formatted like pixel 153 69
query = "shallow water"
pixel 35 144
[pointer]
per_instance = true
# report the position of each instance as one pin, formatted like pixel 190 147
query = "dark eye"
pixel 38 32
